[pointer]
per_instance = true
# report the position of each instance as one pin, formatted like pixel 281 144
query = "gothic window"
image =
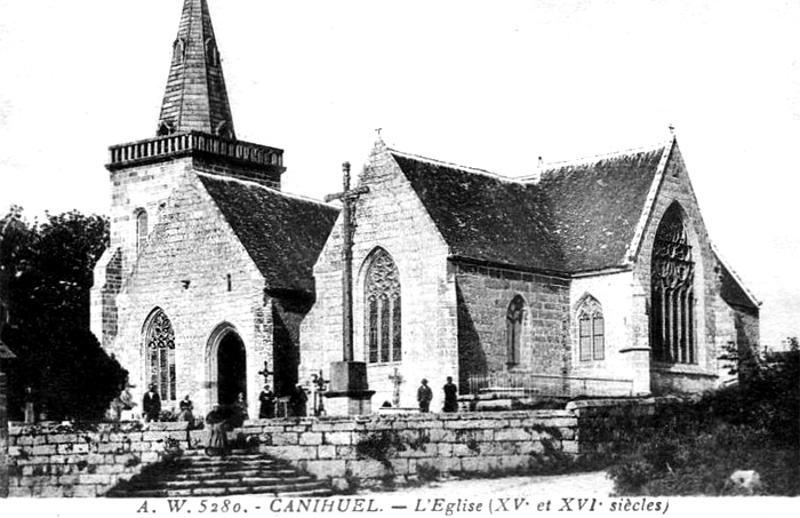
pixel 159 345
pixel 672 319
pixel 141 229
pixel 383 313
pixel 591 330
pixel 514 317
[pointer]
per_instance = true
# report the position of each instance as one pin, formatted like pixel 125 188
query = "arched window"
pixel 212 53
pixel 179 50
pixel 514 317
pixel 672 320
pixel 159 345
pixel 383 310
pixel 591 330
pixel 141 229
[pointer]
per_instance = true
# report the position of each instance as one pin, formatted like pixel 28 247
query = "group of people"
pixel 425 395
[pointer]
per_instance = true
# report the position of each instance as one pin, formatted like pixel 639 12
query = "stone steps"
pixel 239 473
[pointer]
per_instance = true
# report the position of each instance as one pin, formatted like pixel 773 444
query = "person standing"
pixel 450 396
pixel 297 401
pixel 151 405
pixel 217 432
pixel 266 398
pixel 424 396
pixel 186 410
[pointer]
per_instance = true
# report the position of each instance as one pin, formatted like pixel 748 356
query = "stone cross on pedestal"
pixel 348 377
pixel 397 379
pixel 348 198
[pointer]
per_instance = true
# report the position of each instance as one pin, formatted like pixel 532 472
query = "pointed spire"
pixel 196 98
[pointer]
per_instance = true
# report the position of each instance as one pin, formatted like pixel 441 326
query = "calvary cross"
pixel 348 198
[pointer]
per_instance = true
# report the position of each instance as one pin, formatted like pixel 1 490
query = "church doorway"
pixel 231 369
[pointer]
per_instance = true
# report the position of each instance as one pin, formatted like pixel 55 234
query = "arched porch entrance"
pixel 227 366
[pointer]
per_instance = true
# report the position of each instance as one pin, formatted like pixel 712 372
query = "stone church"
pixel 593 278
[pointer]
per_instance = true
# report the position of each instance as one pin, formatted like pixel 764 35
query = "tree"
pixel 58 357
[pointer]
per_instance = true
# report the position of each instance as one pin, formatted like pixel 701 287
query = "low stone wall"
pixel 51 460
pixel 380 447
pixel 605 423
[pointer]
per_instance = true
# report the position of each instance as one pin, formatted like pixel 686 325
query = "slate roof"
pixel 284 234
pixel 732 291
pixel 597 205
pixel 579 217
pixel 485 217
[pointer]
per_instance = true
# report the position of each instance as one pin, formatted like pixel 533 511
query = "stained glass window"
pixel 383 303
pixel 672 325
pixel 591 330
pixel 514 317
pixel 160 354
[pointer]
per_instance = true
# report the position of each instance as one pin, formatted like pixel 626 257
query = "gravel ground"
pixel 594 483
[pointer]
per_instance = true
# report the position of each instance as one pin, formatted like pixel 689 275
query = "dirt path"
pixel 584 484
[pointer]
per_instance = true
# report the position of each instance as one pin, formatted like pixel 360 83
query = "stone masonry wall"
pixel 484 295
pixel 183 269
pixel 50 460
pixel 391 217
pixel 376 447
pixel 676 186
pixel 613 292
pixel 55 461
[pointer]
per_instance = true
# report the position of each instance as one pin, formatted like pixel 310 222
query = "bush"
pixel 692 448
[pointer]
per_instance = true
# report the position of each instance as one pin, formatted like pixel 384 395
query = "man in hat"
pixel 424 396
pixel 151 404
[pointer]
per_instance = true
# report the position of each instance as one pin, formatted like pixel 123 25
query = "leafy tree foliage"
pixel 48 268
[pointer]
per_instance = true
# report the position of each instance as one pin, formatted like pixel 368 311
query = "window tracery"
pixel 383 303
pixel 591 330
pixel 672 321
pixel 160 352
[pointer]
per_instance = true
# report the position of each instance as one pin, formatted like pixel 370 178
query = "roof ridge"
pixel 552 166
pixel 251 183
pixel 453 165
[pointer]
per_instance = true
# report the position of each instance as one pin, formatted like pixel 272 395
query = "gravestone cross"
pixel 397 379
pixel 320 384
pixel 348 198
pixel 266 373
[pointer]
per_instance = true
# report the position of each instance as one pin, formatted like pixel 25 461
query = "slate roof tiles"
pixel 577 218
pixel 284 234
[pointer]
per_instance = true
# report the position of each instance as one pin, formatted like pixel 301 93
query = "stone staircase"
pixel 195 474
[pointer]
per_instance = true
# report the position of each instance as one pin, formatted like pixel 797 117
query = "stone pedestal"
pixel 3 439
pixel 349 392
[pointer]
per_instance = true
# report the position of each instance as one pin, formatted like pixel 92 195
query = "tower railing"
pixel 190 142
pixel 526 384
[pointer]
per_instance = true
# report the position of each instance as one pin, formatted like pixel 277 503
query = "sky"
pixel 492 85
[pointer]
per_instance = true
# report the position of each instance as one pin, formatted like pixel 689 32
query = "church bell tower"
pixel 194 134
